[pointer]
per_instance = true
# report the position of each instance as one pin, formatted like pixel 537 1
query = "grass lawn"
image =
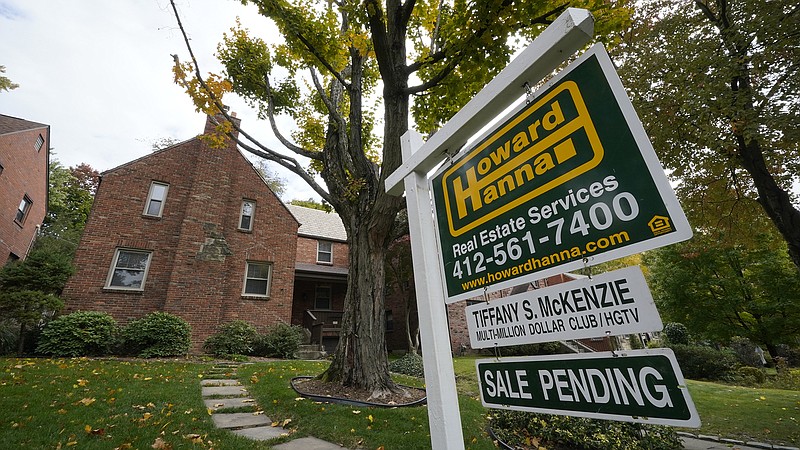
pixel 110 404
pixel 771 415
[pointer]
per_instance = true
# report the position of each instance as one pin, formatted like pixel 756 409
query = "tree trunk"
pixel 361 359
pixel 21 340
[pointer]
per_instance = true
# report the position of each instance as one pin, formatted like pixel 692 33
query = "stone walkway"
pixel 222 390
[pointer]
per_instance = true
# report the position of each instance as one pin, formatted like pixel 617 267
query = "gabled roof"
pixel 10 124
pixel 315 223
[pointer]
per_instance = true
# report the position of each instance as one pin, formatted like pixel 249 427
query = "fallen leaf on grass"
pixel 195 438
pixel 86 401
pixel 161 444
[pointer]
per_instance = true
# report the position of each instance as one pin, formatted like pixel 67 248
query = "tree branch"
pixel 262 150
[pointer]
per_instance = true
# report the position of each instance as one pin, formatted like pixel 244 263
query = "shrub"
pixel 745 350
pixel 82 333
pixel 676 333
pixel 792 355
pixel 409 364
pixel 515 428
pixel 751 376
pixel 8 337
pixel 544 348
pixel 233 338
pixel 157 334
pixel 705 363
pixel 280 341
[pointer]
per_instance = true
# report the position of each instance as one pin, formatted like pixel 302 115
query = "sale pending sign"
pixel 644 386
pixel 569 178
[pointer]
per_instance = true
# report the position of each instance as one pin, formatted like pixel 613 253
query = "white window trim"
pixel 252 215
pixel 114 268
pixel 150 198
pixel 330 297
pixel 319 261
pixel 269 279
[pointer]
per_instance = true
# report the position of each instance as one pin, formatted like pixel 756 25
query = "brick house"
pixel 189 230
pixel 24 179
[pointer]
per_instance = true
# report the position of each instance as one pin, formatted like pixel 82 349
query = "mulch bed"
pixel 336 393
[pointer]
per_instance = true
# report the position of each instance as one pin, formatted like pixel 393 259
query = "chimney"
pixel 219 118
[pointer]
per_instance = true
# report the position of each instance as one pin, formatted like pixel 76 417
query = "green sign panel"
pixel 569 178
pixel 637 386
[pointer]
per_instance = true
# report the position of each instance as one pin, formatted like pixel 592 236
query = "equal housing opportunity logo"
pixel 546 144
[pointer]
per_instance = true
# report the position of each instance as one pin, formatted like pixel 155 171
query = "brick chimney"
pixel 211 126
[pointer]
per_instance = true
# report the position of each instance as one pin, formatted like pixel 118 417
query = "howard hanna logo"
pixel 545 145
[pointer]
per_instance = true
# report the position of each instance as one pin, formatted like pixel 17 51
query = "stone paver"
pixel 238 402
pixel 239 420
pixel 220 382
pixel 229 391
pixel 261 433
pixel 308 443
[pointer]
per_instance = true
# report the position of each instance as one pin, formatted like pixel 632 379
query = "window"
pixel 389 320
pixel 39 143
pixel 322 297
pixel 129 269
pixel 155 199
pixel 257 278
pixel 246 215
pixel 324 252
pixel 23 209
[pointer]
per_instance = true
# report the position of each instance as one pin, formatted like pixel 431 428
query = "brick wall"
pixel 307 251
pixel 199 255
pixel 25 172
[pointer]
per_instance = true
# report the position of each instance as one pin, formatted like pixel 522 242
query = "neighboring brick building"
pixel 189 230
pixel 24 179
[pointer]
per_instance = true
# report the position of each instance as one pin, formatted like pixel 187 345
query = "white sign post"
pixel 573 29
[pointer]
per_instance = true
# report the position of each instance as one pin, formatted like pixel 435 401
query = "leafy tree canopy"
pixel 71 195
pixel 313 204
pixel 717 85
pixel 723 291
pixel 341 70
pixel 5 83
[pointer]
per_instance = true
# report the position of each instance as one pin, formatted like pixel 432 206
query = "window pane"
pixel 154 208
pixel 132 260
pixel 247 209
pixel 258 287
pixel 127 278
pixel 258 271
pixel 158 192
pixel 245 225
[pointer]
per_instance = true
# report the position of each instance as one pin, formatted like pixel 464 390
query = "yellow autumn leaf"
pixel 87 429
pixel 86 401
pixel 369 417
pixel 195 438
pixel 82 382
pixel 285 422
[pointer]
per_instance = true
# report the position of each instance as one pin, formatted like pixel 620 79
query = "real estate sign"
pixel 568 179
pixel 614 303
pixel 643 386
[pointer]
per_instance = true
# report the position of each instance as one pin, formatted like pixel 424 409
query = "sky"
pixel 99 72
